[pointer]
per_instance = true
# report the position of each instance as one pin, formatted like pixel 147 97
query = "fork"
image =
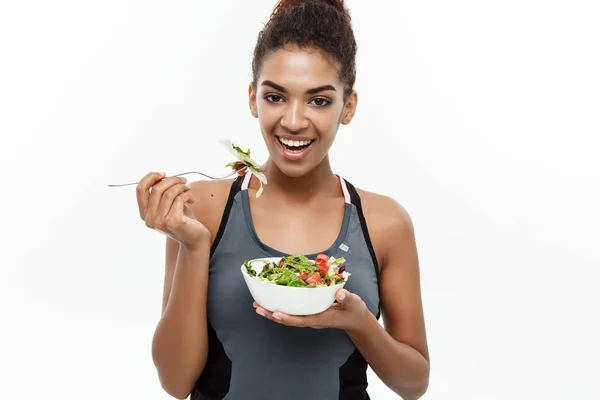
pixel 187 173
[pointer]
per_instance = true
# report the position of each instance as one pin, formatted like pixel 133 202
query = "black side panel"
pixel 235 187
pixel 213 383
pixel 353 378
pixel 355 198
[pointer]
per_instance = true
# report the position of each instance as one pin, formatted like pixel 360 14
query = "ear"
pixel 350 108
pixel 252 101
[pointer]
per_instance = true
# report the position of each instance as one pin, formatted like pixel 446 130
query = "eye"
pixel 320 102
pixel 273 98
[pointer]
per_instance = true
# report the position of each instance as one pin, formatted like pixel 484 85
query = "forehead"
pixel 302 68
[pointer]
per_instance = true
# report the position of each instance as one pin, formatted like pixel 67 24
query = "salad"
pixel 244 163
pixel 298 271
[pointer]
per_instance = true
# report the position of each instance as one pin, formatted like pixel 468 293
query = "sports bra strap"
pixel 246 181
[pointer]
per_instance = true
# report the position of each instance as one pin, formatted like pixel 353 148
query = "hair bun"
pixel 337 4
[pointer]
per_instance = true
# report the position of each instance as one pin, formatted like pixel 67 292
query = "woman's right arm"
pixel 180 342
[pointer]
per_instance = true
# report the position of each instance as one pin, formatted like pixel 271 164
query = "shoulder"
pixel 388 221
pixel 211 198
pixel 205 190
pixel 385 212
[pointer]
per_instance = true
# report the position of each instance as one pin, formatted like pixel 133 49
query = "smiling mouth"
pixel 294 145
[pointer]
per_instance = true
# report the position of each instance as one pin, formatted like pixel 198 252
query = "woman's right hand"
pixel 163 205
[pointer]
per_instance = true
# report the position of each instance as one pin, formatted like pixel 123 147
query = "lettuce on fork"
pixel 243 159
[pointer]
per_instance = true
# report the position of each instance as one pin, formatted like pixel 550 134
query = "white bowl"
pixel 288 299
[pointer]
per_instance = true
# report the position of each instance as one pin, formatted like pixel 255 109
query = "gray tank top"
pixel 252 358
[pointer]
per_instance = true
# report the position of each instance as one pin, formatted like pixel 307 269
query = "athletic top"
pixel 253 358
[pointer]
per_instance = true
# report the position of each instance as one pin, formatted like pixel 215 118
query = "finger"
pixel 156 193
pixel 176 213
pixel 188 199
pixel 166 202
pixel 264 313
pixel 303 321
pixel 142 190
pixel 294 320
pixel 275 316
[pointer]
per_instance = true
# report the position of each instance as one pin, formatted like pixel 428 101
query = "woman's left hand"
pixel 348 313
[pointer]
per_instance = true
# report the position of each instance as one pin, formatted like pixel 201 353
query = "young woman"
pixel 213 341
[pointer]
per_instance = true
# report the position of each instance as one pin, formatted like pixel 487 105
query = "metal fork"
pixel 187 173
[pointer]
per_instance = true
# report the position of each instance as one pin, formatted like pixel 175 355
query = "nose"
pixel 294 118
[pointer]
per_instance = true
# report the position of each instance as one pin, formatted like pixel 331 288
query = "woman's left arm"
pixel 399 353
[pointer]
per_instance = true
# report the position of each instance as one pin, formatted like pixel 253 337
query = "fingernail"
pixel 259 312
pixel 341 295
pixel 187 185
pixel 277 317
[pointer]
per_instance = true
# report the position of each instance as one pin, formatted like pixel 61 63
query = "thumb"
pixel 343 296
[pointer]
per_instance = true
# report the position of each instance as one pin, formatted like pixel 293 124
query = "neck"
pixel 319 181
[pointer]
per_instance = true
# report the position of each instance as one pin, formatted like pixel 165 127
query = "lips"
pixel 294 150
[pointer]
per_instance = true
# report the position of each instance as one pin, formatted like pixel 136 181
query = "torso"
pixel 258 228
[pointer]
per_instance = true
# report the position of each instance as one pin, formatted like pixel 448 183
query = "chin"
pixel 292 171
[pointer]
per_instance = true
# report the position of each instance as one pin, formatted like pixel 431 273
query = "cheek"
pixel 267 118
pixel 326 123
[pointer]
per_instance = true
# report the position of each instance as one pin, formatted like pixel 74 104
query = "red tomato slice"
pixel 323 270
pixel 322 259
pixel 303 276
pixel 314 279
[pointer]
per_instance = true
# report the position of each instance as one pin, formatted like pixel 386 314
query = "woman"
pixel 212 341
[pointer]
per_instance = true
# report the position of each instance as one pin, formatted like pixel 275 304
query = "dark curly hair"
pixel 311 24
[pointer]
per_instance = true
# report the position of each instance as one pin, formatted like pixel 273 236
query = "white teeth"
pixel 294 143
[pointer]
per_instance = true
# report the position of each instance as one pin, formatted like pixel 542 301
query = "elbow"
pixel 172 382
pixel 413 392
pixel 175 389
pixel 177 371
pixel 175 378
pixel 177 382
pixel 417 388
pixel 416 392
pixel 421 387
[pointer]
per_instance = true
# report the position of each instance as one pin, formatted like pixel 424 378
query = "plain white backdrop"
pixel 481 117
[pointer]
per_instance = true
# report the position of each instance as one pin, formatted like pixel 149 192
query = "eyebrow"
pixel 309 91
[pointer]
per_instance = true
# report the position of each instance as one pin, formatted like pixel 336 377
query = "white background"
pixel 480 117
